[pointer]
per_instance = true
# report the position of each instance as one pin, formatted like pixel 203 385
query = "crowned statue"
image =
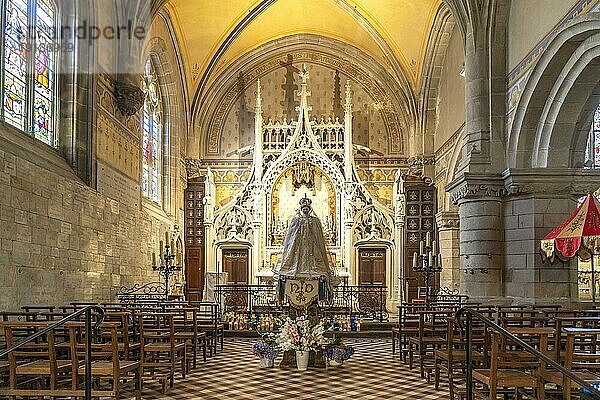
pixel 304 252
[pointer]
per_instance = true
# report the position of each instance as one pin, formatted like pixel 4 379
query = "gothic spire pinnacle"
pixel 258 98
pixel 348 104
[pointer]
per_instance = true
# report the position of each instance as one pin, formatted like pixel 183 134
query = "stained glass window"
pixel 28 90
pixel 151 136
pixel 592 152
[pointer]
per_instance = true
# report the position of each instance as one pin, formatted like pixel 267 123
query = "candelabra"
pixel 166 268
pixel 426 263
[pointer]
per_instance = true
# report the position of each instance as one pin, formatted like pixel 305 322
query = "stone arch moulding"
pixel 323 163
pixel 396 101
pixel 435 55
pixel 173 100
pixel 561 89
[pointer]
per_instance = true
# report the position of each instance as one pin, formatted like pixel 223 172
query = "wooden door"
pixel 194 240
pixel 235 263
pixel 371 267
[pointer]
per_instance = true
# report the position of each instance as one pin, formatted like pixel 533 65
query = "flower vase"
pixel 334 363
pixel 266 362
pixel 302 359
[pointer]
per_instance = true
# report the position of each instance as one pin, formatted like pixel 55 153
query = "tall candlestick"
pixel 428 238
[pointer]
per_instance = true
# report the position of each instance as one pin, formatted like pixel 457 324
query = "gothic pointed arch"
pixel 558 101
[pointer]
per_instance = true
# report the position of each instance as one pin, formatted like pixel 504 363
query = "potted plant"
pixel 302 336
pixel 266 349
pixel 337 352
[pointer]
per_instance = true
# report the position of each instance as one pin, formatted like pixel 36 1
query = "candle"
pixel 421 247
pixel 433 249
pixel 166 237
pixel 430 259
pixel 428 238
pixel 415 260
pixel 160 249
pixel 172 246
pixel 153 258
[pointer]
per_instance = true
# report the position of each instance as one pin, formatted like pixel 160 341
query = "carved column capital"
pixel 472 185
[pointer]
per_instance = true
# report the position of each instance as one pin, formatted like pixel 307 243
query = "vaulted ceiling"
pixel 214 33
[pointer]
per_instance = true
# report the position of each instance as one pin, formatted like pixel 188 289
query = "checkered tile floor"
pixel 234 373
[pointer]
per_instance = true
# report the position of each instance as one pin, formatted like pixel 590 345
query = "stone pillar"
pixel 210 257
pixel 399 220
pixel 449 239
pixel 481 246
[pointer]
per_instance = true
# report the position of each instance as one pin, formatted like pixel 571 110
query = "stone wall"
pixel 62 241
pixel 527 221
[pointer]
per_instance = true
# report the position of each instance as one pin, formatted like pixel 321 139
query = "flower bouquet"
pixel 266 349
pixel 337 352
pixel 302 336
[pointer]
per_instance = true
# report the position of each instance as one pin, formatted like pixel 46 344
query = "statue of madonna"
pixel 304 252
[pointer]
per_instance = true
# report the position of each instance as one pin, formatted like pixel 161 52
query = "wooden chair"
pixel 209 322
pixel 452 358
pixel 431 336
pixel 408 325
pixel 507 368
pixel 582 357
pixel 160 350
pixel 186 328
pixel 129 344
pixel 107 365
pixel 34 369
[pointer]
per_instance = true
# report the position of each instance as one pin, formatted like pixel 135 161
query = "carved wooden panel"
pixel 194 239
pixel 421 207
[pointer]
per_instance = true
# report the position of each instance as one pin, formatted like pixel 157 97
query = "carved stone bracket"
pixel 447 220
pixel 128 97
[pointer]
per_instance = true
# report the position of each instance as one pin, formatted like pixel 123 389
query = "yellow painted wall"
pixel 529 22
pixel 451 95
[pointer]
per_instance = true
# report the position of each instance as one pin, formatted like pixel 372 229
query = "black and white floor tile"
pixel 371 373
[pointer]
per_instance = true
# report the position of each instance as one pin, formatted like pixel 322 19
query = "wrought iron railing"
pixel 247 298
pixel 148 291
pixel 368 301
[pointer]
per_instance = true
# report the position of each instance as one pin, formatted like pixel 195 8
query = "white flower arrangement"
pixel 300 334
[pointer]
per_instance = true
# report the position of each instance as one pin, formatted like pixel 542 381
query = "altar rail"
pixel 367 301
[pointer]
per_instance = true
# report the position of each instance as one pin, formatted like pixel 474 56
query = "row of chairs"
pixel 430 336
pixel 136 342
